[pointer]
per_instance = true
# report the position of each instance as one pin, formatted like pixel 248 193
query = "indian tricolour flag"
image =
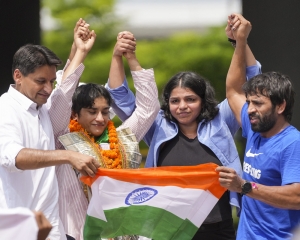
pixel 159 203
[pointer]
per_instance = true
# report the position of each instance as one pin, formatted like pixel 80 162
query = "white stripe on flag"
pixel 193 204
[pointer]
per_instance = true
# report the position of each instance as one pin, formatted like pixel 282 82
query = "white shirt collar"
pixel 24 101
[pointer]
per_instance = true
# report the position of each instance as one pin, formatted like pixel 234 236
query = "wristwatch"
pixel 246 188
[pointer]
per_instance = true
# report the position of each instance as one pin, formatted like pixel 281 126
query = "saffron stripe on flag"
pixel 200 176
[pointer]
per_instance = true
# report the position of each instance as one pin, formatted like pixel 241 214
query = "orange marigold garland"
pixel 74 126
pixel 112 157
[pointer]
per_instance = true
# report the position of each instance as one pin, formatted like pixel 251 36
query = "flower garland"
pixel 112 158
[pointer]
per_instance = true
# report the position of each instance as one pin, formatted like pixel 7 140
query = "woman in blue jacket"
pixel 191 129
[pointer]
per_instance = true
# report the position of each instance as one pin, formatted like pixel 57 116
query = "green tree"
pixel 208 54
pixel 99 14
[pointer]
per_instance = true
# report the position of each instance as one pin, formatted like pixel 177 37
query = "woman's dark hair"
pixel 30 57
pixel 85 95
pixel 275 86
pixel 198 85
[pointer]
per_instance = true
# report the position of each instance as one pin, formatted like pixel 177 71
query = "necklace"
pixel 112 157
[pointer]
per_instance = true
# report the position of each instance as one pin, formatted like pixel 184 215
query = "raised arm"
pixel 125 43
pixel 147 104
pixel 132 61
pixel 124 99
pixel 83 41
pixel 84 37
pixel 233 23
pixel 60 101
pixel 242 57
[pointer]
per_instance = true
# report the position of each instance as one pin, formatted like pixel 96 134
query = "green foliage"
pixel 99 14
pixel 208 54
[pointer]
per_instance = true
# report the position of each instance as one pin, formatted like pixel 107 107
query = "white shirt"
pixel 18 224
pixel 24 126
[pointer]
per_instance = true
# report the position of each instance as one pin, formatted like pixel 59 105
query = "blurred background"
pixel 172 36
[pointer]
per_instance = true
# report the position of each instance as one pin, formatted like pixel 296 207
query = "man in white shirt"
pixel 27 155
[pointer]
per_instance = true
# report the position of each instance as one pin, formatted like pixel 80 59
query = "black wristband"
pixel 232 41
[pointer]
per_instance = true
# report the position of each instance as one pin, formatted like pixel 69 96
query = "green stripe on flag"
pixel 139 220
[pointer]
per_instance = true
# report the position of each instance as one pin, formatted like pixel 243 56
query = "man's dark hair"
pixel 30 57
pixel 198 85
pixel 85 95
pixel 275 86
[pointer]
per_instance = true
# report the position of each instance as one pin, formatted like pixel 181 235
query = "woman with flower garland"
pixel 113 147
pixel 91 106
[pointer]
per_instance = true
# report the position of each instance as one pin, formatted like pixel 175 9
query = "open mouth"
pixel 253 120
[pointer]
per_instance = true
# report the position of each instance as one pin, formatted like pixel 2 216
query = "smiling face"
pixel 185 106
pixel 94 119
pixel 36 86
pixel 263 116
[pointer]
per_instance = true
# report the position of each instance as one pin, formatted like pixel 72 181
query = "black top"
pixel 182 151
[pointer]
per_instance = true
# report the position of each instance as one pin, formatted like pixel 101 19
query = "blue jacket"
pixel 216 134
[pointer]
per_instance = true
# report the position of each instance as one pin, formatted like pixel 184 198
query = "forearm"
pixel 29 158
pixel 116 73
pixel 286 197
pixel 71 56
pixel 147 104
pixel 237 70
pixel 78 59
pixel 134 64
pixel 123 100
pixel 250 59
pixel 72 52
pixel 60 102
pixel 236 77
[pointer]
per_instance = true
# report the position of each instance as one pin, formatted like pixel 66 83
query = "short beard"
pixel 266 122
